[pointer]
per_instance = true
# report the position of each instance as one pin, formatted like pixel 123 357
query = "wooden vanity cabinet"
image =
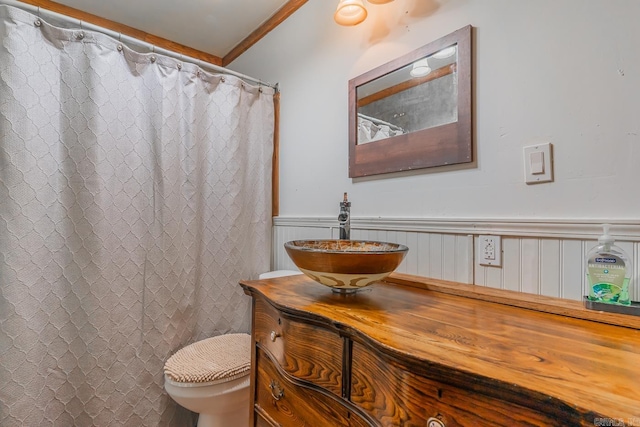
pixel 298 380
pixel 301 349
pixel 412 351
pixel 282 401
pixel 399 396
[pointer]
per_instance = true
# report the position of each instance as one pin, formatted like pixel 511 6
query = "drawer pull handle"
pixel 276 392
pixel 274 335
pixel 434 422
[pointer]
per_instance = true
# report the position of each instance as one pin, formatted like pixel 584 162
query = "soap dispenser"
pixel 608 271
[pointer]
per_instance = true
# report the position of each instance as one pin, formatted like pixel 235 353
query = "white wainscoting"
pixel 539 257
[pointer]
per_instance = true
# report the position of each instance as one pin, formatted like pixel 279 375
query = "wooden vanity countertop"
pixel 521 343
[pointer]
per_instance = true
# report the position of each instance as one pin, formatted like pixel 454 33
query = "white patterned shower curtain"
pixel 134 194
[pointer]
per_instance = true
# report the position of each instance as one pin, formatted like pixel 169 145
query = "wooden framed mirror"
pixel 413 112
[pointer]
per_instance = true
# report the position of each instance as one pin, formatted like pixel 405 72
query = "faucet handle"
pixel 344 218
pixel 345 201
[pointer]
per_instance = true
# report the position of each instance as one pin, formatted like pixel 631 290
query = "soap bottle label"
pixel 606 277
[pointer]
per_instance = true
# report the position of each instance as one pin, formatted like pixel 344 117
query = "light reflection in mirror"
pixel 418 96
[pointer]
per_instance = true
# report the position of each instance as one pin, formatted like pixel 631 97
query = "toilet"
pixel 211 377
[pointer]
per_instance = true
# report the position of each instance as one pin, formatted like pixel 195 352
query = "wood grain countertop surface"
pixel 545 346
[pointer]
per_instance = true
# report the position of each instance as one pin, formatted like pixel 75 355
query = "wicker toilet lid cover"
pixel 221 358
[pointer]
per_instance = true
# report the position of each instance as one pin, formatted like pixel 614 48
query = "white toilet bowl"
pixel 278 273
pixel 219 404
pixel 211 377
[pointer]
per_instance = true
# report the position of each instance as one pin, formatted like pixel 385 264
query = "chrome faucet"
pixel 344 218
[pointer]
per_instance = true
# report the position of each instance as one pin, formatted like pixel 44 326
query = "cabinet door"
pixel 292 405
pixel 305 351
pixel 397 397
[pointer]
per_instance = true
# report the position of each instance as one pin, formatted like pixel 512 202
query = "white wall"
pixel 562 71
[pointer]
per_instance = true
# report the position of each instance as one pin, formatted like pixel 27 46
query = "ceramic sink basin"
pixel 345 265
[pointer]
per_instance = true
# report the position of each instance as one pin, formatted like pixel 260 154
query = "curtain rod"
pixel 130 41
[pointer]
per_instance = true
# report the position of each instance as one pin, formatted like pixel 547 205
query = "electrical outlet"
pixel 490 250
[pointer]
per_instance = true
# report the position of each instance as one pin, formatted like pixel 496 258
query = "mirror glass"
pixel 413 112
pixel 418 96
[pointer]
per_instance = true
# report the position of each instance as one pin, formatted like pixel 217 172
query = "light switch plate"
pixel 538 163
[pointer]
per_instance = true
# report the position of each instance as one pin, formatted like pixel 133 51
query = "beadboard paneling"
pixel 279 258
pixel 544 258
pixel 442 256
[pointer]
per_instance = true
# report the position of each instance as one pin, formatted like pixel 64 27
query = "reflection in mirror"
pixel 415 111
pixel 421 95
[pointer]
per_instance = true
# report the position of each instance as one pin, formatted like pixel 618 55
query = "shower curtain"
pixel 134 195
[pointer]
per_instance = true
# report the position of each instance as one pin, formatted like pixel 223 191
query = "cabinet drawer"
pixel 261 422
pixel 294 405
pixel 400 398
pixel 302 350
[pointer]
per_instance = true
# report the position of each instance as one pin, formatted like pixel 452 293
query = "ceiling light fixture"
pixel 380 1
pixel 445 53
pixel 350 12
pixel 420 68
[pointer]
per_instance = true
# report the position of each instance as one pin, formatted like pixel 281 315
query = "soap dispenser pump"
pixel 608 271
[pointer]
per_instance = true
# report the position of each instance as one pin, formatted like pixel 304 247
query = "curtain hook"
pixel 152 58
pixel 38 22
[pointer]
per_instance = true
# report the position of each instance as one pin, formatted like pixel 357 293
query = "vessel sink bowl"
pixel 345 265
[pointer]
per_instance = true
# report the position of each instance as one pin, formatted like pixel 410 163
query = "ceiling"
pixel 222 29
